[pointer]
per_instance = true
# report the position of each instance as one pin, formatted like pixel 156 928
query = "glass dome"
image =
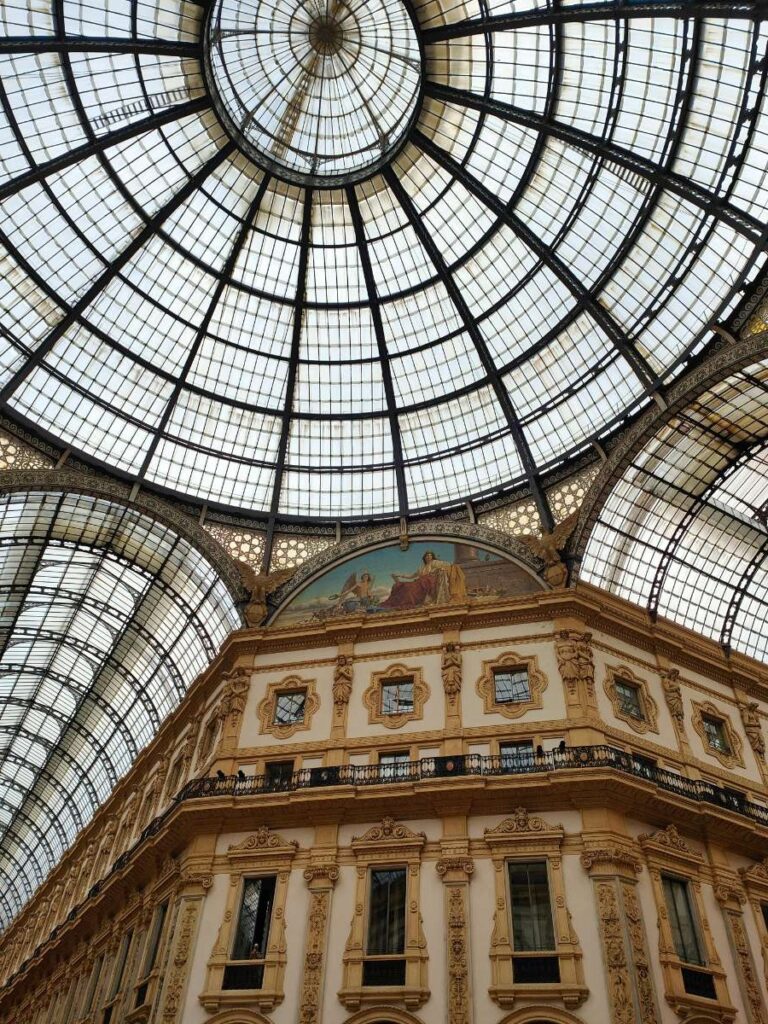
pixel 455 245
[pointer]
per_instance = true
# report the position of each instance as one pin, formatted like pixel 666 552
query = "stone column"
pixel 731 898
pixel 455 872
pixel 321 877
pixel 632 997
pixel 191 891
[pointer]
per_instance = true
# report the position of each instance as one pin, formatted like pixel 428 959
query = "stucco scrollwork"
pixel 486 684
pixel 267 707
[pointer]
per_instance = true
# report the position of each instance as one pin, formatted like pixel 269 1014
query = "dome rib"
pixel 558 163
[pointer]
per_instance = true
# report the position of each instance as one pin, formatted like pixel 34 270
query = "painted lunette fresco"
pixel 387 579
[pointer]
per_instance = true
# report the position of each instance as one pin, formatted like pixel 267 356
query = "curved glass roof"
pixel 684 531
pixel 577 193
pixel 107 617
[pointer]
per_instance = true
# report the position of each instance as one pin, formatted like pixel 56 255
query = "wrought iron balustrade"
pixel 598 756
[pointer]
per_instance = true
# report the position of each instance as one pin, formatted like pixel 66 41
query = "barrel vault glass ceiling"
pixel 684 531
pixel 254 260
pixel 106 617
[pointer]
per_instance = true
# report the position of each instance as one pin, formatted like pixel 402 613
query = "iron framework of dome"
pixel 108 615
pixel 550 225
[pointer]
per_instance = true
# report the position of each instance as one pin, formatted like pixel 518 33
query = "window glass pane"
pixel 155 937
pixel 629 699
pixel 289 707
pixel 394 764
pixel 386 920
pixel 681 920
pixel 520 753
pixel 117 979
pixel 511 685
pixel 532 927
pixel 714 730
pixel 253 924
pixel 279 773
pixel 396 696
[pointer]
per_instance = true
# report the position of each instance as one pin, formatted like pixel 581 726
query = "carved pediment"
pixel 520 822
pixel 263 840
pixel 390 831
pixel 668 843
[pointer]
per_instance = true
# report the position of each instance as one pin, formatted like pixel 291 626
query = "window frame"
pixel 372 697
pixel 511 671
pixel 266 708
pixel 730 758
pixel 486 684
pixel 648 721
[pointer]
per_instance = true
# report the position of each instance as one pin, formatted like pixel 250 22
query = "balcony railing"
pixel 464 765
pixel 460 765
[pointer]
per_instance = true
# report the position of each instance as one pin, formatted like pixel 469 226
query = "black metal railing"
pixel 460 765
pixel 463 765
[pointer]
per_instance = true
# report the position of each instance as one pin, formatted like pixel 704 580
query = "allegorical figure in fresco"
pixel 356 594
pixel 434 582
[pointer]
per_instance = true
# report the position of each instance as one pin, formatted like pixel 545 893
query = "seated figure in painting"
pixel 434 582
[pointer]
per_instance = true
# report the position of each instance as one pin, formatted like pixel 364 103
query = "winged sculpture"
pixel 548 548
pixel 259 586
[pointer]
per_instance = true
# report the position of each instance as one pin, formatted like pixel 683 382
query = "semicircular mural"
pixel 388 579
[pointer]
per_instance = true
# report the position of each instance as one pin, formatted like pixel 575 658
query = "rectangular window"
pixel 386 912
pixel 253 924
pixel 153 948
pixel 92 983
pixel 122 959
pixel 682 922
pixel 532 925
pixel 278 774
pixel 289 707
pixel 516 756
pixel 714 730
pixel 394 764
pixel 511 685
pixel 629 699
pixel 397 696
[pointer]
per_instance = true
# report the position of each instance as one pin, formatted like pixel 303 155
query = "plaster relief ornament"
pixel 235 693
pixel 549 546
pixel 673 694
pixel 751 719
pixel 451 670
pixel 259 586
pixel 342 681
pixel 574 659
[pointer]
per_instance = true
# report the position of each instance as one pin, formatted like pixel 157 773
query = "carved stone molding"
pixel 575 661
pixel 450 667
pixel 373 702
pixel 673 695
pixel 649 720
pixel 750 717
pixel 177 977
pixel 321 878
pixel 731 758
pixel 611 860
pixel 342 681
pixel 268 704
pixel 261 840
pixel 390 831
pixel 486 684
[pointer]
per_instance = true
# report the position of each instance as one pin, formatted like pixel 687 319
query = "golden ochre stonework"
pixel 372 697
pixel 731 756
pixel 486 684
pixel 267 707
pixel 647 720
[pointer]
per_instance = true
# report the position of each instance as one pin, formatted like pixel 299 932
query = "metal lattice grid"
pixel 581 193
pixel 107 617
pixel 684 530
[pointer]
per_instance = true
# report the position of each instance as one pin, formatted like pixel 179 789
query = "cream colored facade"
pixel 608 825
